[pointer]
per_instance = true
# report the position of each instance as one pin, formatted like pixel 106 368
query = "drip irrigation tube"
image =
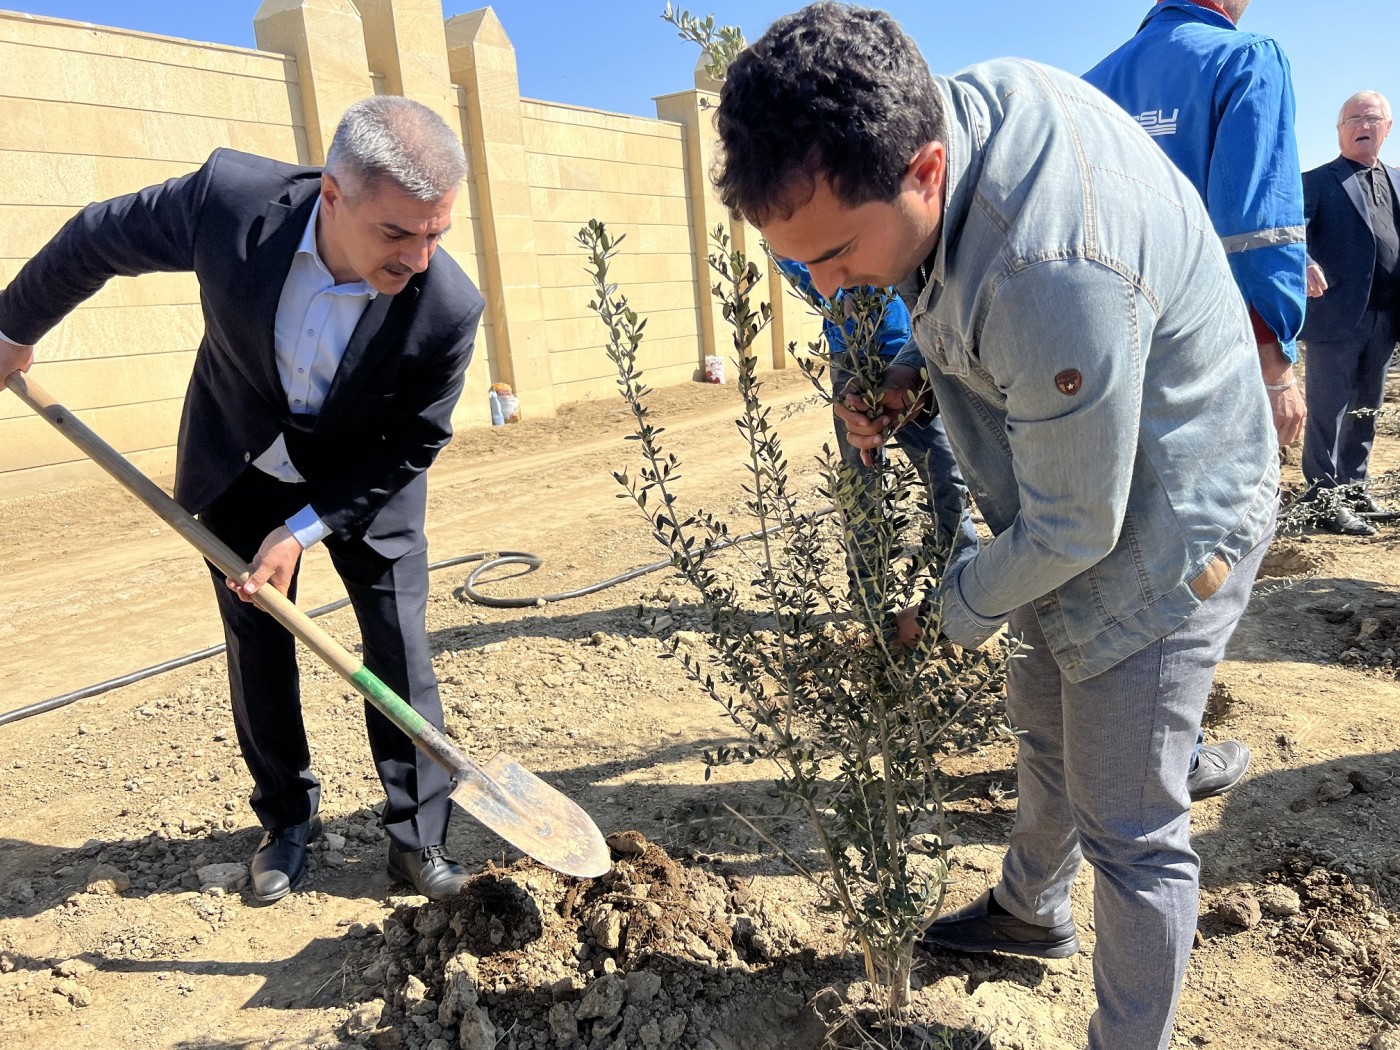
pixel 490 560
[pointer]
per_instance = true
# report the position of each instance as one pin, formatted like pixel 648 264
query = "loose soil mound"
pixel 652 955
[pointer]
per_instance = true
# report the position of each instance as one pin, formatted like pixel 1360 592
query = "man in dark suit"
pixel 1354 314
pixel 336 339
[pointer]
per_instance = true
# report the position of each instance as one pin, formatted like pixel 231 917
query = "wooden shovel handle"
pixel 220 555
pixel 504 796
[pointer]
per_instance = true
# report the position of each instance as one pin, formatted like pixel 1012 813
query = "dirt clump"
pixel 1340 926
pixel 652 955
pixel 1377 638
pixel 1290 556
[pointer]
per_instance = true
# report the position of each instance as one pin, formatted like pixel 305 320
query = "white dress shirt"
pixel 315 319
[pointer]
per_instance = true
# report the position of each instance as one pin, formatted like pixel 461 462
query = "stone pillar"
pixel 693 110
pixel 481 60
pixel 327 40
pixel 790 315
pixel 406 43
pixel 774 290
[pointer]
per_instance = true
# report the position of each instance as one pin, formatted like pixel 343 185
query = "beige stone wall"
pixel 88 113
pixel 629 173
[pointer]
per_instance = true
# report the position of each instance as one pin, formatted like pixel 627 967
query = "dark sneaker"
pixel 985 926
pixel 1219 767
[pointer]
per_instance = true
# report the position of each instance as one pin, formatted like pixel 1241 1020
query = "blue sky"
pixel 618 54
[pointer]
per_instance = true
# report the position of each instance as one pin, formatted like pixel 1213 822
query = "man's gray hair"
pixel 1359 96
pixel 392 138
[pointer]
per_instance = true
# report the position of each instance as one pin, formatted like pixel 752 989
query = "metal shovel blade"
pixel 556 831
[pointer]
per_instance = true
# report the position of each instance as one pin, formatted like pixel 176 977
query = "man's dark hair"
pixel 833 90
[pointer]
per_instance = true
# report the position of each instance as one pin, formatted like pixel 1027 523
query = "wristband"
pixel 1275 388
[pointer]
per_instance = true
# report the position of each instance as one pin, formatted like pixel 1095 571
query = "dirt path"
pixel 95 586
pixel 144 784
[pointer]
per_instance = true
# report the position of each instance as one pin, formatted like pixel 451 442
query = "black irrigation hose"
pixel 532 563
pixel 489 560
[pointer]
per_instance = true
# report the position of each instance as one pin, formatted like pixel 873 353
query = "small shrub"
pixel 855 724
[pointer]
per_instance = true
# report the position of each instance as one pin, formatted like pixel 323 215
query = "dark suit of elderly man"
pixel 1353 213
pixel 336 339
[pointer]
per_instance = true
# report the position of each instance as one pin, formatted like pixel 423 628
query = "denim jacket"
pixel 1095 368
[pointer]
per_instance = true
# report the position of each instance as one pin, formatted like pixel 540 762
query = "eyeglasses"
pixel 1371 121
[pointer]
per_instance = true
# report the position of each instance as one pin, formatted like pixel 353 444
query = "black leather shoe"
pixel 430 871
pixel 1219 767
pixel 280 861
pixel 985 926
pixel 1346 522
pixel 1367 506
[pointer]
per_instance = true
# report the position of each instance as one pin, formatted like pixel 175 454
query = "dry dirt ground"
pixel 115 931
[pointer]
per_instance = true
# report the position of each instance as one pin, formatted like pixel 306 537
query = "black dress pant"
pixel 390 598
pixel 1345 386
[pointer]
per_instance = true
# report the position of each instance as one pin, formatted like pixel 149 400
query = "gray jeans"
pixel 1101 773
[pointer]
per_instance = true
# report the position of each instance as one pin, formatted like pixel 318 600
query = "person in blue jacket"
pixel 925 443
pixel 1219 102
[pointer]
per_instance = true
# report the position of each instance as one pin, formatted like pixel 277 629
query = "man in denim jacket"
pixel 1096 371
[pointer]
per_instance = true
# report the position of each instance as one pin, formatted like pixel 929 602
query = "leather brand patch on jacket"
pixel 1069 381
pixel 1211 578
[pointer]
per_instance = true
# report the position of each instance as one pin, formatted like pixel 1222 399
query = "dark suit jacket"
pixel 236 223
pixel 1341 241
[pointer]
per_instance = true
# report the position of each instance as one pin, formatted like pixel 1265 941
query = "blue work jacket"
pixel 893 333
pixel 1220 104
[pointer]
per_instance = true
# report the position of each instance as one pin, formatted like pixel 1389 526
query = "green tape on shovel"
pixel 388 701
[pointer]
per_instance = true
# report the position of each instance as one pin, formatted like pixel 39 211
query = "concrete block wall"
pixel 88 112
pixel 629 173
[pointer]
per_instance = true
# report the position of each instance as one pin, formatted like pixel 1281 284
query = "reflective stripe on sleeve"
pixel 1243 242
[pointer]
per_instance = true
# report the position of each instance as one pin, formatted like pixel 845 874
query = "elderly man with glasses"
pixel 1353 315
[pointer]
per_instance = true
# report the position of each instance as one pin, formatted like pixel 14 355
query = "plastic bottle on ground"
pixel 510 404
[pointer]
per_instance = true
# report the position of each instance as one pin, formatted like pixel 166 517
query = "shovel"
pixel 505 796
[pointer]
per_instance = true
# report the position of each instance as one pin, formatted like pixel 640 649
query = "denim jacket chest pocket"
pixel 941 344
pixel 955 353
